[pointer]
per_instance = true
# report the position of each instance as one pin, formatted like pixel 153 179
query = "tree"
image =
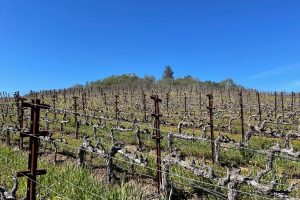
pixel 228 83
pixel 168 73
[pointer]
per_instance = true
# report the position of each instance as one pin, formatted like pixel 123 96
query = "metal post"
pixel 33 148
pixel 20 110
pixel 157 137
pixel 293 94
pixel 211 123
pixel 275 109
pixel 259 108
pixel 282 106
pixel 242 115
pixel 200 103
pixel 75 108
pixel 185 108
pixel 53 103
pixel 116 109
pixel 167 98
pixel 65 99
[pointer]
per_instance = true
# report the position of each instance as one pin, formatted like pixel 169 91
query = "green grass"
pixel 284 171
pixel 62 181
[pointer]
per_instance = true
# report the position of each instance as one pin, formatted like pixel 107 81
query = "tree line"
pixel 167 79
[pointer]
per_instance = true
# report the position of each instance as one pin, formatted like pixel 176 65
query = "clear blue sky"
pixel 57 43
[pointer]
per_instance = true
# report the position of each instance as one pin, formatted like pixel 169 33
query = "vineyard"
pixel 150 143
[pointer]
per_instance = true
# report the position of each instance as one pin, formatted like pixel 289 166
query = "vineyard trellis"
pixel 116 119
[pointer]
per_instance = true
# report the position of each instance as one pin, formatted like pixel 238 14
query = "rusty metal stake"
pixel 211 123
pixel 20 111
pixel 259 108
pixel 282 106
pixel 117 110
pixel 242 115
pixel 299 99
pixel 65 99
pixel 293 94
pixel 275 109
pixel 33 148
pixel 53 103
pixel 185 108
pixel 75 108
pixel 157 137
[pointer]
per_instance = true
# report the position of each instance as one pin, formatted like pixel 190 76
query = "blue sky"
pixel 58 43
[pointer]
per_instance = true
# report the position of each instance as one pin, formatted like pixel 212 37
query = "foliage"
pixel 228 83
pixel 186 81
pixel 79 183
pixel 133 81
pixel 168 73
pixel 117 80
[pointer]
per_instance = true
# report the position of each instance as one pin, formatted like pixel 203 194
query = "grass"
pixel 65 178
pixel 62 181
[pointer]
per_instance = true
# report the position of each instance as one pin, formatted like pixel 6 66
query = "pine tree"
pixel 168 73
